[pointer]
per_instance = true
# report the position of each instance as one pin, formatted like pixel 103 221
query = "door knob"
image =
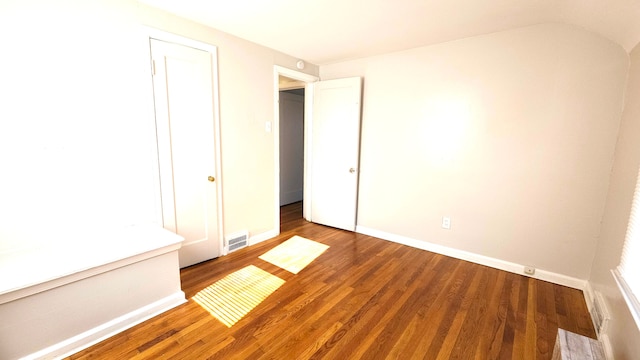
pixel 211 179
pixel 352 170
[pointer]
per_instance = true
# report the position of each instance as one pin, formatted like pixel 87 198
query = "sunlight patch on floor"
pixel 232 297
pixel 294 254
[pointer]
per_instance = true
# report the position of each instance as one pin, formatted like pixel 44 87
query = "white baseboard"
pixel 263 236
pixel 589 296
pixel 95 335
pixel 606 346
pixel 475 258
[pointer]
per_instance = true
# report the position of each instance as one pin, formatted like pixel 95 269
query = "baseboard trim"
pixel 95 335
pixel 515 268
pixel 589 296
pixel 606 346
pixel 263 236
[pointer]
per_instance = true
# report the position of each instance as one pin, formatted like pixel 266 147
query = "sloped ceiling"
pixel 326 31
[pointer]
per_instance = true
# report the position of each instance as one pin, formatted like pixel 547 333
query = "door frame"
pixel 308 120
pixel 152 33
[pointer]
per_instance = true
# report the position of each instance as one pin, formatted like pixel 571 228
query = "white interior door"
pixel 335 149
pixel 183 95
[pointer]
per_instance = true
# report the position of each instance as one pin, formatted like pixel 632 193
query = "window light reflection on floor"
pixel 294 254
pixel 233 296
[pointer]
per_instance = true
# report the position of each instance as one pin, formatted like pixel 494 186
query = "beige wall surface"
pixel 77 129
pixel 510 134
pixel 622 332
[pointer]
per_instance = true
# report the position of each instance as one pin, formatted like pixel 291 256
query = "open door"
pixel 335 152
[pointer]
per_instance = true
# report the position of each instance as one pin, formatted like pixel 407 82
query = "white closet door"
pixel 183 94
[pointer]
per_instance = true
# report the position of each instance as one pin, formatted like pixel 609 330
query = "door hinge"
pixel 153 67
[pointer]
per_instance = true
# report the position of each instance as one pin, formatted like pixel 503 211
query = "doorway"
pixel 291 143
pixel 331 148
pixel 300 84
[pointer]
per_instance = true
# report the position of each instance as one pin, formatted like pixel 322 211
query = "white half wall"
pixel 62 298
pixel 510 134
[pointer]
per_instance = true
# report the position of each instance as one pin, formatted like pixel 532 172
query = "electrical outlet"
pixel 529 270
pixel 446 222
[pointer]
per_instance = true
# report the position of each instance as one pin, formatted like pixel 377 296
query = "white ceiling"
pixel 326 31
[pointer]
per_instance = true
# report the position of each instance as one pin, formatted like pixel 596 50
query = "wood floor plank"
pixel 530 333
pixel 363 298
pixel 435 309
pixel 388 333
pixel 382 334
pixel 453 305
pixel 511 345
pixel 461 312
pixel 476 320
pixel 492 321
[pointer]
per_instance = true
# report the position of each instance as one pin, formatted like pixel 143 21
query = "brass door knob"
pixel 211 179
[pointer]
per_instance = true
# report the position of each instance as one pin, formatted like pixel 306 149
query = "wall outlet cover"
pixel 446 222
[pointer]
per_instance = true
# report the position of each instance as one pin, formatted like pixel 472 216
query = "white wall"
pixel 622 332
pixel 510 134
pixel 75 135
pixel 77 128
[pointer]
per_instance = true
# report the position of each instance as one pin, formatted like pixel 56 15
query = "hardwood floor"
pixel 364 298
